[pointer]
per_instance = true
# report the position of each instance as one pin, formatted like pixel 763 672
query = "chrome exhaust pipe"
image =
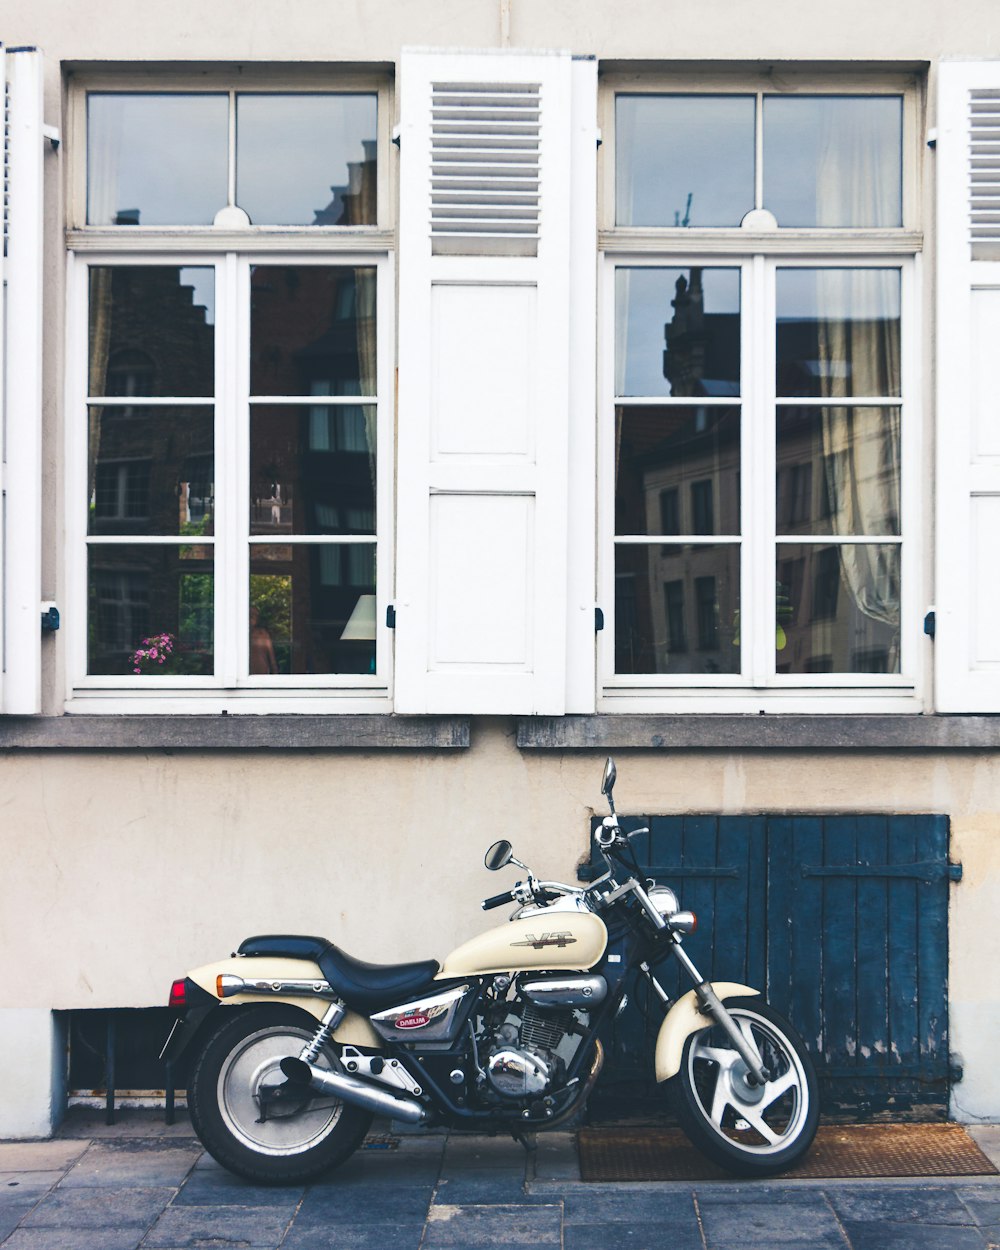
pixel 350 1089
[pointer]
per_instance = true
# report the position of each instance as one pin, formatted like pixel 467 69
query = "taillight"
pixel 178 993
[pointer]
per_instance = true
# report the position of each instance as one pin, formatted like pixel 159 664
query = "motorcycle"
pixel 295 1045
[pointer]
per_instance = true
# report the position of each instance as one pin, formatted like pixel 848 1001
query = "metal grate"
pixel 485 174
pixel 847 1150
pixel 984 167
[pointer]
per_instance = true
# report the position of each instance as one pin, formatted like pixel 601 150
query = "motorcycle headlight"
pixel 664 900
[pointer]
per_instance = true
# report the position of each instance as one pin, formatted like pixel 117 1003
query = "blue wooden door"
pixel 841 920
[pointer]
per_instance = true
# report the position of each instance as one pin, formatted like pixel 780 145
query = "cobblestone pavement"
pixel 141 1184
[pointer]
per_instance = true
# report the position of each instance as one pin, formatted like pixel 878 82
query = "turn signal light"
pixel 178 994
pixel 684 921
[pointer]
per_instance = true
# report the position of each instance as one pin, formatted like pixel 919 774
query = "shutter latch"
pixel 930 623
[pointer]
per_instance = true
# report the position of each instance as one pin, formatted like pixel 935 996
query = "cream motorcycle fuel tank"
pixel 545 938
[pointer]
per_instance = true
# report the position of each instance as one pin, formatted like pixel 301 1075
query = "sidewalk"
pixel 143 1184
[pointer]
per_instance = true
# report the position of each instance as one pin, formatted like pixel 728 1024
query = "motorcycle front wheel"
pixel 268 1139
pixel 750 1130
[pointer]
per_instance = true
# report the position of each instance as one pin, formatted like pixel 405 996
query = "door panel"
pixel 841 919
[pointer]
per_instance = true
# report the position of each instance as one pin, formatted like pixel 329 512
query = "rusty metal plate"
pixel 840 1150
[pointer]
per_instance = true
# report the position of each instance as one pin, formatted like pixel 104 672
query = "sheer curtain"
pixel 859 355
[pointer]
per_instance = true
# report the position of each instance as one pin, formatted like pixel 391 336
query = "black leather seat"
pixel 364 987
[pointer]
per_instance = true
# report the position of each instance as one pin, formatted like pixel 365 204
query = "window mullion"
pixel 761 531
pixel 228 465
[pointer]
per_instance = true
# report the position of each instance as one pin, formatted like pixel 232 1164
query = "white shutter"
pixel 21 371
pixel 967 641
pixel 484 382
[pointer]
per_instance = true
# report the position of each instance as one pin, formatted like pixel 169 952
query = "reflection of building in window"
pixel 196 489
pixel 121 610
pixel 121 490
pixel 130 372
pixel 870 660
pixel 673 595
pixel 819 664
pixel 670 512
pixel 702 510
pixel 826 584
pixel 707 609
pixel 795 495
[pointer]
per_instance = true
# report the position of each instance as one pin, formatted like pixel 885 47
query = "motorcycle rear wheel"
pixel 297 1140
pixel 748 1130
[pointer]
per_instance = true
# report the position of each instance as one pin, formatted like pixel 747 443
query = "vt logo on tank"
pixel 560 940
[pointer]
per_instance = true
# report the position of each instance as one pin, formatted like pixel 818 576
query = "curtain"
pixel 859 355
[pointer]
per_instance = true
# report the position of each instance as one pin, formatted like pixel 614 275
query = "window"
pixel 232 419
pixel 758 400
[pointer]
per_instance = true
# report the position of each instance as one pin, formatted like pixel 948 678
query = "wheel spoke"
pixel 720 1099
pixel 746 1029
pixel 721 1055
pixel 757 1121
pixel 774 1089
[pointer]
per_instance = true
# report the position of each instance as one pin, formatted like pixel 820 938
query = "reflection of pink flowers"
pixel 154 651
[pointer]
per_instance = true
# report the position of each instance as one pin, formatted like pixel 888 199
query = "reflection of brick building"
pixel 152 468
pixel 312 467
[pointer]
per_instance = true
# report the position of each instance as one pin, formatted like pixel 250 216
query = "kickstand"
pixel 529 1143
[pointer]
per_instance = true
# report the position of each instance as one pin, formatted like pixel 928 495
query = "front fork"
pixel 713 1007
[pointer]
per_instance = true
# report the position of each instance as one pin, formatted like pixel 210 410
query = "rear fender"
pixel 683 1019
pixel 353 1030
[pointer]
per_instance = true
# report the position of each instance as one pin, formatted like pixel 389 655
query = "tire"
pixel 300 1139
pixel 748 1130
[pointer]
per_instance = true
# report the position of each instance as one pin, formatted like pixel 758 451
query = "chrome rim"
pixel 760 1120
pixel 250 1067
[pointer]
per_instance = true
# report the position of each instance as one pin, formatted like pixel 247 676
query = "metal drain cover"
pixel 840 1150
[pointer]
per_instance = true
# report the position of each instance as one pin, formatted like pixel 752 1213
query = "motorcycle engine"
pixel 520 1059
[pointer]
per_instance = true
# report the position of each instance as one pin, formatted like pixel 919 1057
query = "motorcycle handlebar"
pixel 498 900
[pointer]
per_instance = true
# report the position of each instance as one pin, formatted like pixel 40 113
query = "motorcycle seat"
pixel 364 987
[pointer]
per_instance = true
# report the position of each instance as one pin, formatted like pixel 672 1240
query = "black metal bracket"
pixel 926 870
pixel 598 620
pixel 930 624
pixel 390 617
pixel 50 619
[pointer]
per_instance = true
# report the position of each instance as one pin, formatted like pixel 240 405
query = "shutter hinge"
pixel 390 616
pixel 52 134
pixel 930 623
pixel 954 872
pixel 598 620
pixel 396 134
pixel 956 1070
pixel 50 618
pixel 932 138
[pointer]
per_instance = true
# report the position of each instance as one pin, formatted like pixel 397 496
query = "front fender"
pixel 354 1030
pixel 683 1019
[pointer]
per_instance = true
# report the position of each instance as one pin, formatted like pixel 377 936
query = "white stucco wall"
pixel 128 869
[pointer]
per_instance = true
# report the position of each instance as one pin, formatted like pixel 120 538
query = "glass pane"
pixel 677 332
pixel 312 608
pixel 838 332
pixel 312 330
pixel 146 599
pixel 152 330
pixel 312 469
pixel 152 470
pixel 677 608
pixel 834 160
pixel 684 160
pixel 838 471
pixel 306 160
pixel 156 160
pixel 677 470
pixel 837 608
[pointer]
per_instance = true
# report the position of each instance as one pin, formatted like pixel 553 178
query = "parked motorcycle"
pixel 296 1045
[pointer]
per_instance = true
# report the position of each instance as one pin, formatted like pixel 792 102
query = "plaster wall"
pixel 128 869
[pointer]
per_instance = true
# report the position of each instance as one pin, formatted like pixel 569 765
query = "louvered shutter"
pixel 486 249
pixel 967 642
pixel 21 370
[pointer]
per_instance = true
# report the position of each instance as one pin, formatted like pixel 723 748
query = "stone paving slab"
pixel 195 1228
pixel 40 1156
pixel 474 1226
pixel 140 1161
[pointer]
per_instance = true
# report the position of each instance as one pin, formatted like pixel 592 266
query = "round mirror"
pixel 498 855
pixel 610 774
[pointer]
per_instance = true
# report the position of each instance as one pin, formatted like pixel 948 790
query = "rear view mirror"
pixel 498 856
pixel 610 775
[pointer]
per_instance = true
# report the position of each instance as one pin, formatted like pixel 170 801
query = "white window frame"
pixel 233 253
pixel 759 253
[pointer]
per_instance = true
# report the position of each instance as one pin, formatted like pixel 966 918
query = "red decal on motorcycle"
pixel 416 1020
pixel 561 940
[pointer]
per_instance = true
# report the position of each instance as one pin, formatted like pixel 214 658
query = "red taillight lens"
pixel 178 994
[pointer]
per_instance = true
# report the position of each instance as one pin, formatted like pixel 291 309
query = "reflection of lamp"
pixel 360 625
